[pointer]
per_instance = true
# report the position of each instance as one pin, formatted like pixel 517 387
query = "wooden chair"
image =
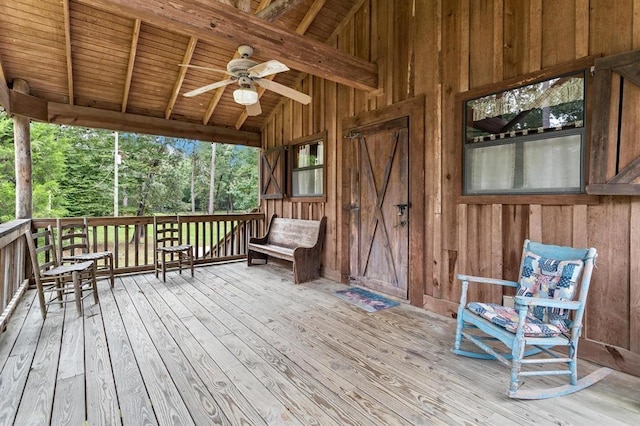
pixel 549 309
pixel 167 239
pixel 64 281
pixel 73 242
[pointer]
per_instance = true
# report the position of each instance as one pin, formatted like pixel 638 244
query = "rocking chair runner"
pixel 550 277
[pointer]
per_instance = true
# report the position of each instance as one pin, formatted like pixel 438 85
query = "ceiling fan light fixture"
pixel 245 95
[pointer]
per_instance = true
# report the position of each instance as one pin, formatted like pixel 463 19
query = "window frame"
pixel 320 137
pixel 583 65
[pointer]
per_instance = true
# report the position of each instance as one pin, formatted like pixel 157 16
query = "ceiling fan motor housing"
pixel 239 67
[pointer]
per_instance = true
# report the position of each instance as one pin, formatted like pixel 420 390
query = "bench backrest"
pixel 294 232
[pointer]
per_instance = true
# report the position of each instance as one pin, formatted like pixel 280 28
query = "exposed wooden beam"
pixel 215 99
pixel 28 106
pixel 132 61
pixel 277 9
pixel 191 47
pixel 67 44
pixel 5 99
pixel 330 40
pixel 302 28
pixel 114 120
pixel 214 21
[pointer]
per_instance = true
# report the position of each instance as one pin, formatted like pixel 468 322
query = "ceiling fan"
pixel 247 74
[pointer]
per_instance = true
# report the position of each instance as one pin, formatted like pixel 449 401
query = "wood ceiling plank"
pixel 114 120
pixel 130 64
pixel 183 71
pixel 218 21
pixel 67 43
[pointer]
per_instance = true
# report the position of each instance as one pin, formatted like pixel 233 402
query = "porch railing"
pixel 215 238
pixel 14 264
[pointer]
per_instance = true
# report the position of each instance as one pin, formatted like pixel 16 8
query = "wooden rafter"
pixel 215 99
pixel 213 21
pixel 302 28
pixel 191 47
pixel 114 120
pixel 330 40
pixel 132 60
pixel 277 9
pixel 67 43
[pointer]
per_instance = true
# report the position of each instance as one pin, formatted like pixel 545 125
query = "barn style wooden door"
pixel 379 206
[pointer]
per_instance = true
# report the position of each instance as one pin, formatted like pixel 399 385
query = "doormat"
pixel 369 301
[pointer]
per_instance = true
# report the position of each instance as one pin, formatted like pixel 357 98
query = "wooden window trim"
pixel 320 136
pixel 585 63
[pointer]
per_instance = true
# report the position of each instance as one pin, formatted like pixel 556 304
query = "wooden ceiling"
pixel 114 63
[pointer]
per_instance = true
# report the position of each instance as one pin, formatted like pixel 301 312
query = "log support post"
pixel 22 148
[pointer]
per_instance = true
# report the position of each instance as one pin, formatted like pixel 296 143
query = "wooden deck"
pixel 247 346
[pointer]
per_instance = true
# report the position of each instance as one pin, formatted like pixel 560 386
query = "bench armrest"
pixel 265 238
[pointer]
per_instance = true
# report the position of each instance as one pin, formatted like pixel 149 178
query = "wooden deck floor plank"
pixel 201 405
pixel 347 366
pixel 15 372
pixel 70 380
pixel 179 300
pixel 166 400
pixel 37 403
pixel 68 403
pixel 308 361
pixel 271 410
pixel 102 400
pixel 357 339
pixel 236 407
pixel 268 351
pixel 135 404
pixel 386 328
pixel 14 326
pixel 256 351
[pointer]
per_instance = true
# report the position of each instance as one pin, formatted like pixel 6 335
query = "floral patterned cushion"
pixel 549 279
pixel 507 318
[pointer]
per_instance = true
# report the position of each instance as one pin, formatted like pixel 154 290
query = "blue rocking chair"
pixel 549 308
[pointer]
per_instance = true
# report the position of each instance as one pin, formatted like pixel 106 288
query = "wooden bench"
pixel 296 240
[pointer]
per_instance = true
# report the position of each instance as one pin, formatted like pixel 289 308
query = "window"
pixel 307 167
pixel 526 140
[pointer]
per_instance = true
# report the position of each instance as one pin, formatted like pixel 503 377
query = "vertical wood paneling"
pixel 448 48
pixel 608 304
pixel 516 37
pixel 634 278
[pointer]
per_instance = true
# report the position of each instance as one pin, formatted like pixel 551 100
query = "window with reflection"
pixel 526 140
pixel 307 172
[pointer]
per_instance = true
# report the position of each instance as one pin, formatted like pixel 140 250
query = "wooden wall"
pixel 439 49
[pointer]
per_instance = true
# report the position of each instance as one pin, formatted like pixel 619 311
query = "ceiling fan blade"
pixel 283 90
pixel 254 109
pixel 198 67
pixel 267 68
pixel 208 87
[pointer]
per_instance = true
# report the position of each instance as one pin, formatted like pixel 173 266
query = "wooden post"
pixel 22 148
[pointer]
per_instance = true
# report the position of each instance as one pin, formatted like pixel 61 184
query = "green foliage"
pixel 73 173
